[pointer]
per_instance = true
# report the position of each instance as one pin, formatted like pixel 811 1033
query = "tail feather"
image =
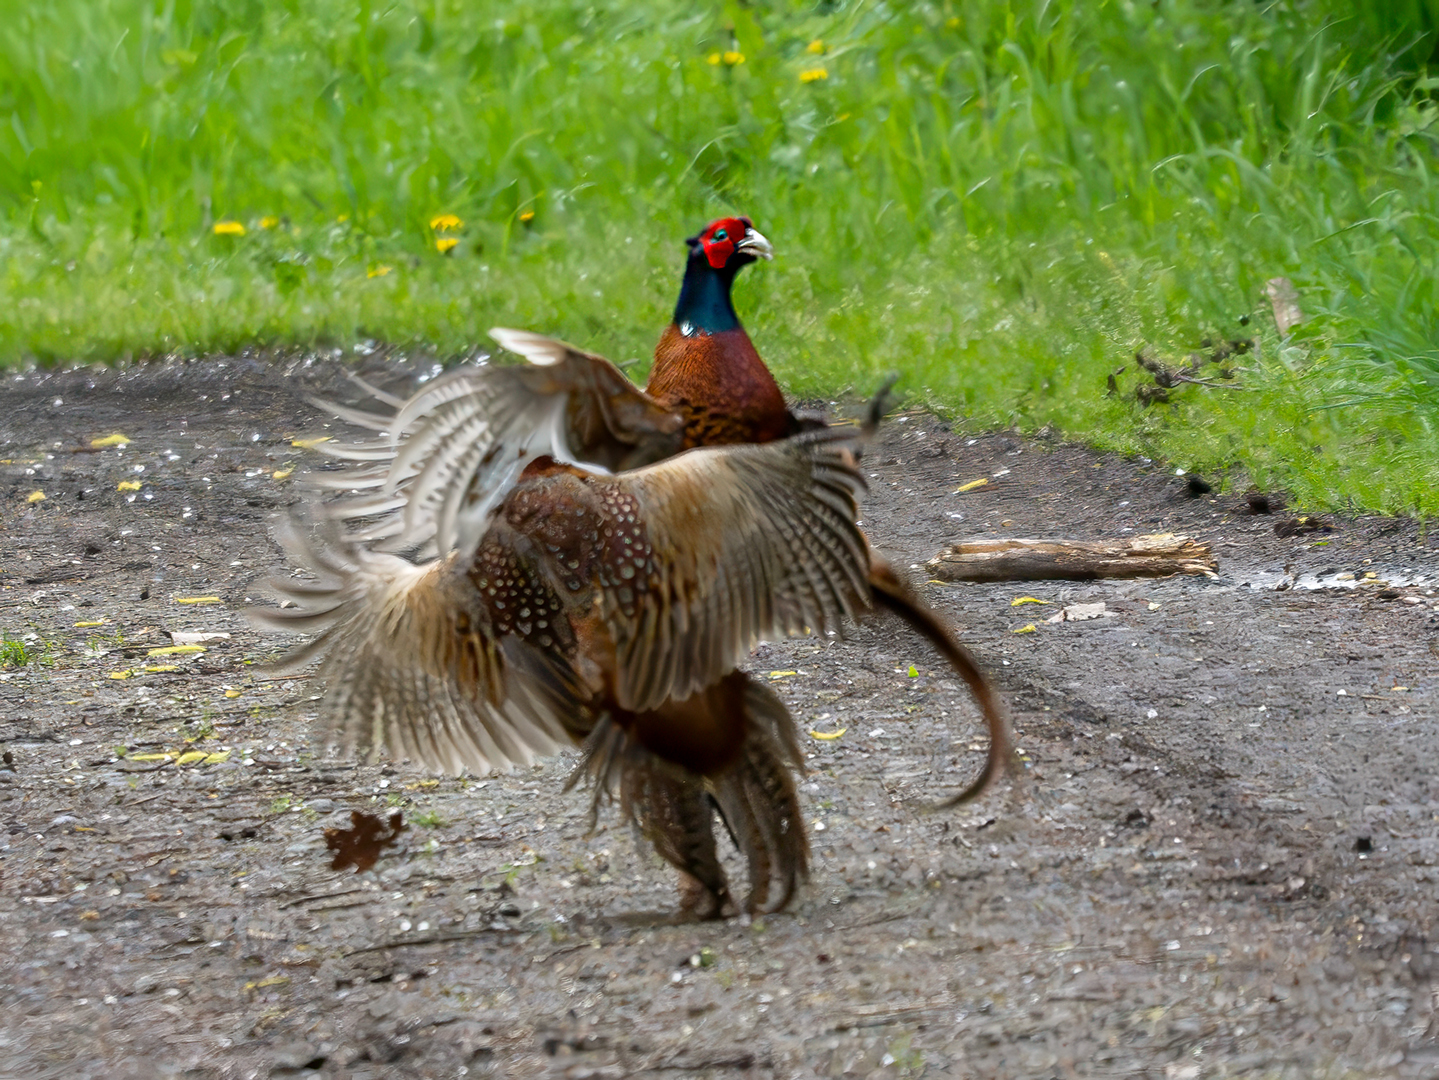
pixel 673 807
pixel 759 802
pixel 888 591
pixel 666 805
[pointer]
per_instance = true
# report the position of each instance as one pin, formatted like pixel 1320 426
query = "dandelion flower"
pixel 445 244
pixel 816 46
pixel 269 221
pixel 445 223
pixel 714 59
pixel 378 270
pixel 526 216
pixel 813 75
pixel 732 58
pixel 229 228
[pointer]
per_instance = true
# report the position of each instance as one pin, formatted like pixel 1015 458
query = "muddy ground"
pixel 1221 858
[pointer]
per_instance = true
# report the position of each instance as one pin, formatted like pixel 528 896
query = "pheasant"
pixel 542 555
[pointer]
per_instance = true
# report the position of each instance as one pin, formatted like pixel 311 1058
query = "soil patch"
pixel 1221 857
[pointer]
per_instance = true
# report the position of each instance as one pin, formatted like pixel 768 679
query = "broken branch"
pixel 1159 555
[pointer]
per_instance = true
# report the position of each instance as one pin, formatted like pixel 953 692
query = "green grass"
pixel 1002 201
pixel 13 652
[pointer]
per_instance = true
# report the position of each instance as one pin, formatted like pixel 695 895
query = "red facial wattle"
pixel 720 239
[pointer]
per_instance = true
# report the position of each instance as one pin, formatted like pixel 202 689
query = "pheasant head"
pixel 716 256
pixel 705 363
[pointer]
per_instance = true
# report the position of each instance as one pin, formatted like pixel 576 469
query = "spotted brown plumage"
pixel 538 555
pixel 617 604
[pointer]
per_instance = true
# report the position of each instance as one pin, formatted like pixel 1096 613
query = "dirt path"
pixel 1222 858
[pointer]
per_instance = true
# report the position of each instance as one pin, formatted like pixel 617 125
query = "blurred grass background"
pixel 1001 199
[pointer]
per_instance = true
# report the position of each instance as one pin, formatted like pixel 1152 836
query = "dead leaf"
pixel 971 485
pixel 1284 298
pixel 273 980
pixel 360 845
pixel 1078 613
pixel 191 637
pixel 106 441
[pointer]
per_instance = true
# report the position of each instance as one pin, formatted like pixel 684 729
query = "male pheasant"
pixel 535 561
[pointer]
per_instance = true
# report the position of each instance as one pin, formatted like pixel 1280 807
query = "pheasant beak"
pixel 754 243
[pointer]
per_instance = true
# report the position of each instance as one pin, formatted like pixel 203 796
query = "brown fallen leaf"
pixel 360 845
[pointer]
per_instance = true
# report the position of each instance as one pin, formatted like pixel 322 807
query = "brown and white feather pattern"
pixel 737 545
pixel 670 574
pixel 410 668
pixel 448 456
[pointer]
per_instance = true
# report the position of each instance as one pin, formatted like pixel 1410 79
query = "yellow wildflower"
pixel 35 496
pixel 813 74
pixel 378 270
pixel 732 58
pixel 128 485
pixel 714 59
pixel 445 244
pixel 229 228
pixel 954 22
pixel 269 221
pixel 816 46
pixel 342 219
pixel 526 216
pixel 445 223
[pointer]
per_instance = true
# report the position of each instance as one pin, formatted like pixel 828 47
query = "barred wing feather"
pixel 755 542
pixel 449 455
pixel 408 673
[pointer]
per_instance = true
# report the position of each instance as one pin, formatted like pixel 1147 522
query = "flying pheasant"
pixel 533 560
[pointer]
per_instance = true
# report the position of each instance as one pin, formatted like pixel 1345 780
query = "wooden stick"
pixel 1070 560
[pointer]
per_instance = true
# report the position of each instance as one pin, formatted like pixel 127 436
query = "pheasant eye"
pixel 721 235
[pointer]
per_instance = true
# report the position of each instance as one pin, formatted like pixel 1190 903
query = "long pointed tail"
pixel 890 592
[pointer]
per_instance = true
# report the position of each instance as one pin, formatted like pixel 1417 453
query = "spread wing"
pixel 750 542
pixel 410 670
pixel 744 542
pixel 445 458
